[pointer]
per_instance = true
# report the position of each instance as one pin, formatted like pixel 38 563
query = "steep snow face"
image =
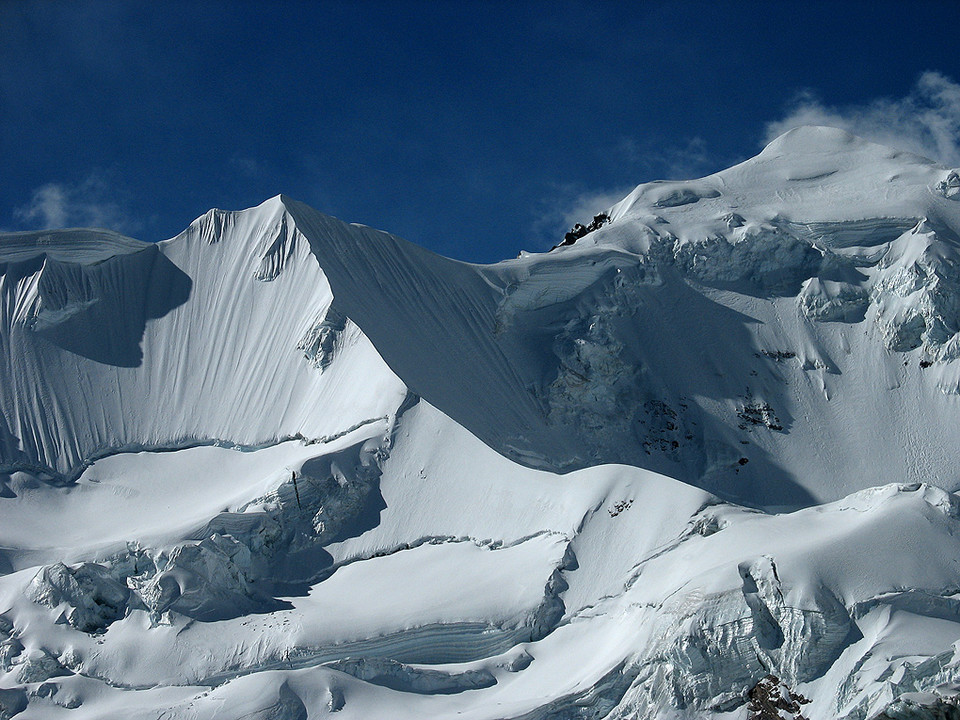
pixel 224 334
pixel 281 466
pixel 752 319
pixel 732 331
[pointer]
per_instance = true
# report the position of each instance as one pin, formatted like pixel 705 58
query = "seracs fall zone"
pixel 285 467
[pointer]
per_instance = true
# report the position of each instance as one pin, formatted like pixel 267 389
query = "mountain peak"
pixel 807 139
pixel 824 140
pixel 809 174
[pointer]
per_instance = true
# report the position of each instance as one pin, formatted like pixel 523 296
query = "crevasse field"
pixel 701 463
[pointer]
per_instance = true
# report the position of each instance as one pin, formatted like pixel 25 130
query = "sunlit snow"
pixel 699 462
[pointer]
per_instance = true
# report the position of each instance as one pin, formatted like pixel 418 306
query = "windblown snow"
pixel 701 463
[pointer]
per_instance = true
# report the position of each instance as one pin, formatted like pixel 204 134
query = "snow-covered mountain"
pixel 699 463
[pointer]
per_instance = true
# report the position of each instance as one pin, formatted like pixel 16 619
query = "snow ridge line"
pixel 64 479
pixel 427 540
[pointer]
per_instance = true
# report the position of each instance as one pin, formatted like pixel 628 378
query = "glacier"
pixel 699 462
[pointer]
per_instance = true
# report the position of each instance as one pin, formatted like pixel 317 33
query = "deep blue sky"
pixel 475 129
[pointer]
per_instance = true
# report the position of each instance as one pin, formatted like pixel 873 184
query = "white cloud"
pixel 88 204
pixel 48 207
pixel 926 121
pixel 584 206
pixel 568 205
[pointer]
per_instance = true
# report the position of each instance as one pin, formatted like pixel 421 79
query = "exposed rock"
pixel 770 699
pixel 756 412
pixel 578 231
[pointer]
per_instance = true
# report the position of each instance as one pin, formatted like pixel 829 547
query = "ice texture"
pixel 698 462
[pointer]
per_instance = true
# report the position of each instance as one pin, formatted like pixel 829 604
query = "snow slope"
pixel 189 342
pixel 281 466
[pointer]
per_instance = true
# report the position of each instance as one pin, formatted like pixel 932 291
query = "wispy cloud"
pixel 585 205
pixel 245 165
pixel 926 121
pixel 659 161
pixel 568 205
pixel 87 204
